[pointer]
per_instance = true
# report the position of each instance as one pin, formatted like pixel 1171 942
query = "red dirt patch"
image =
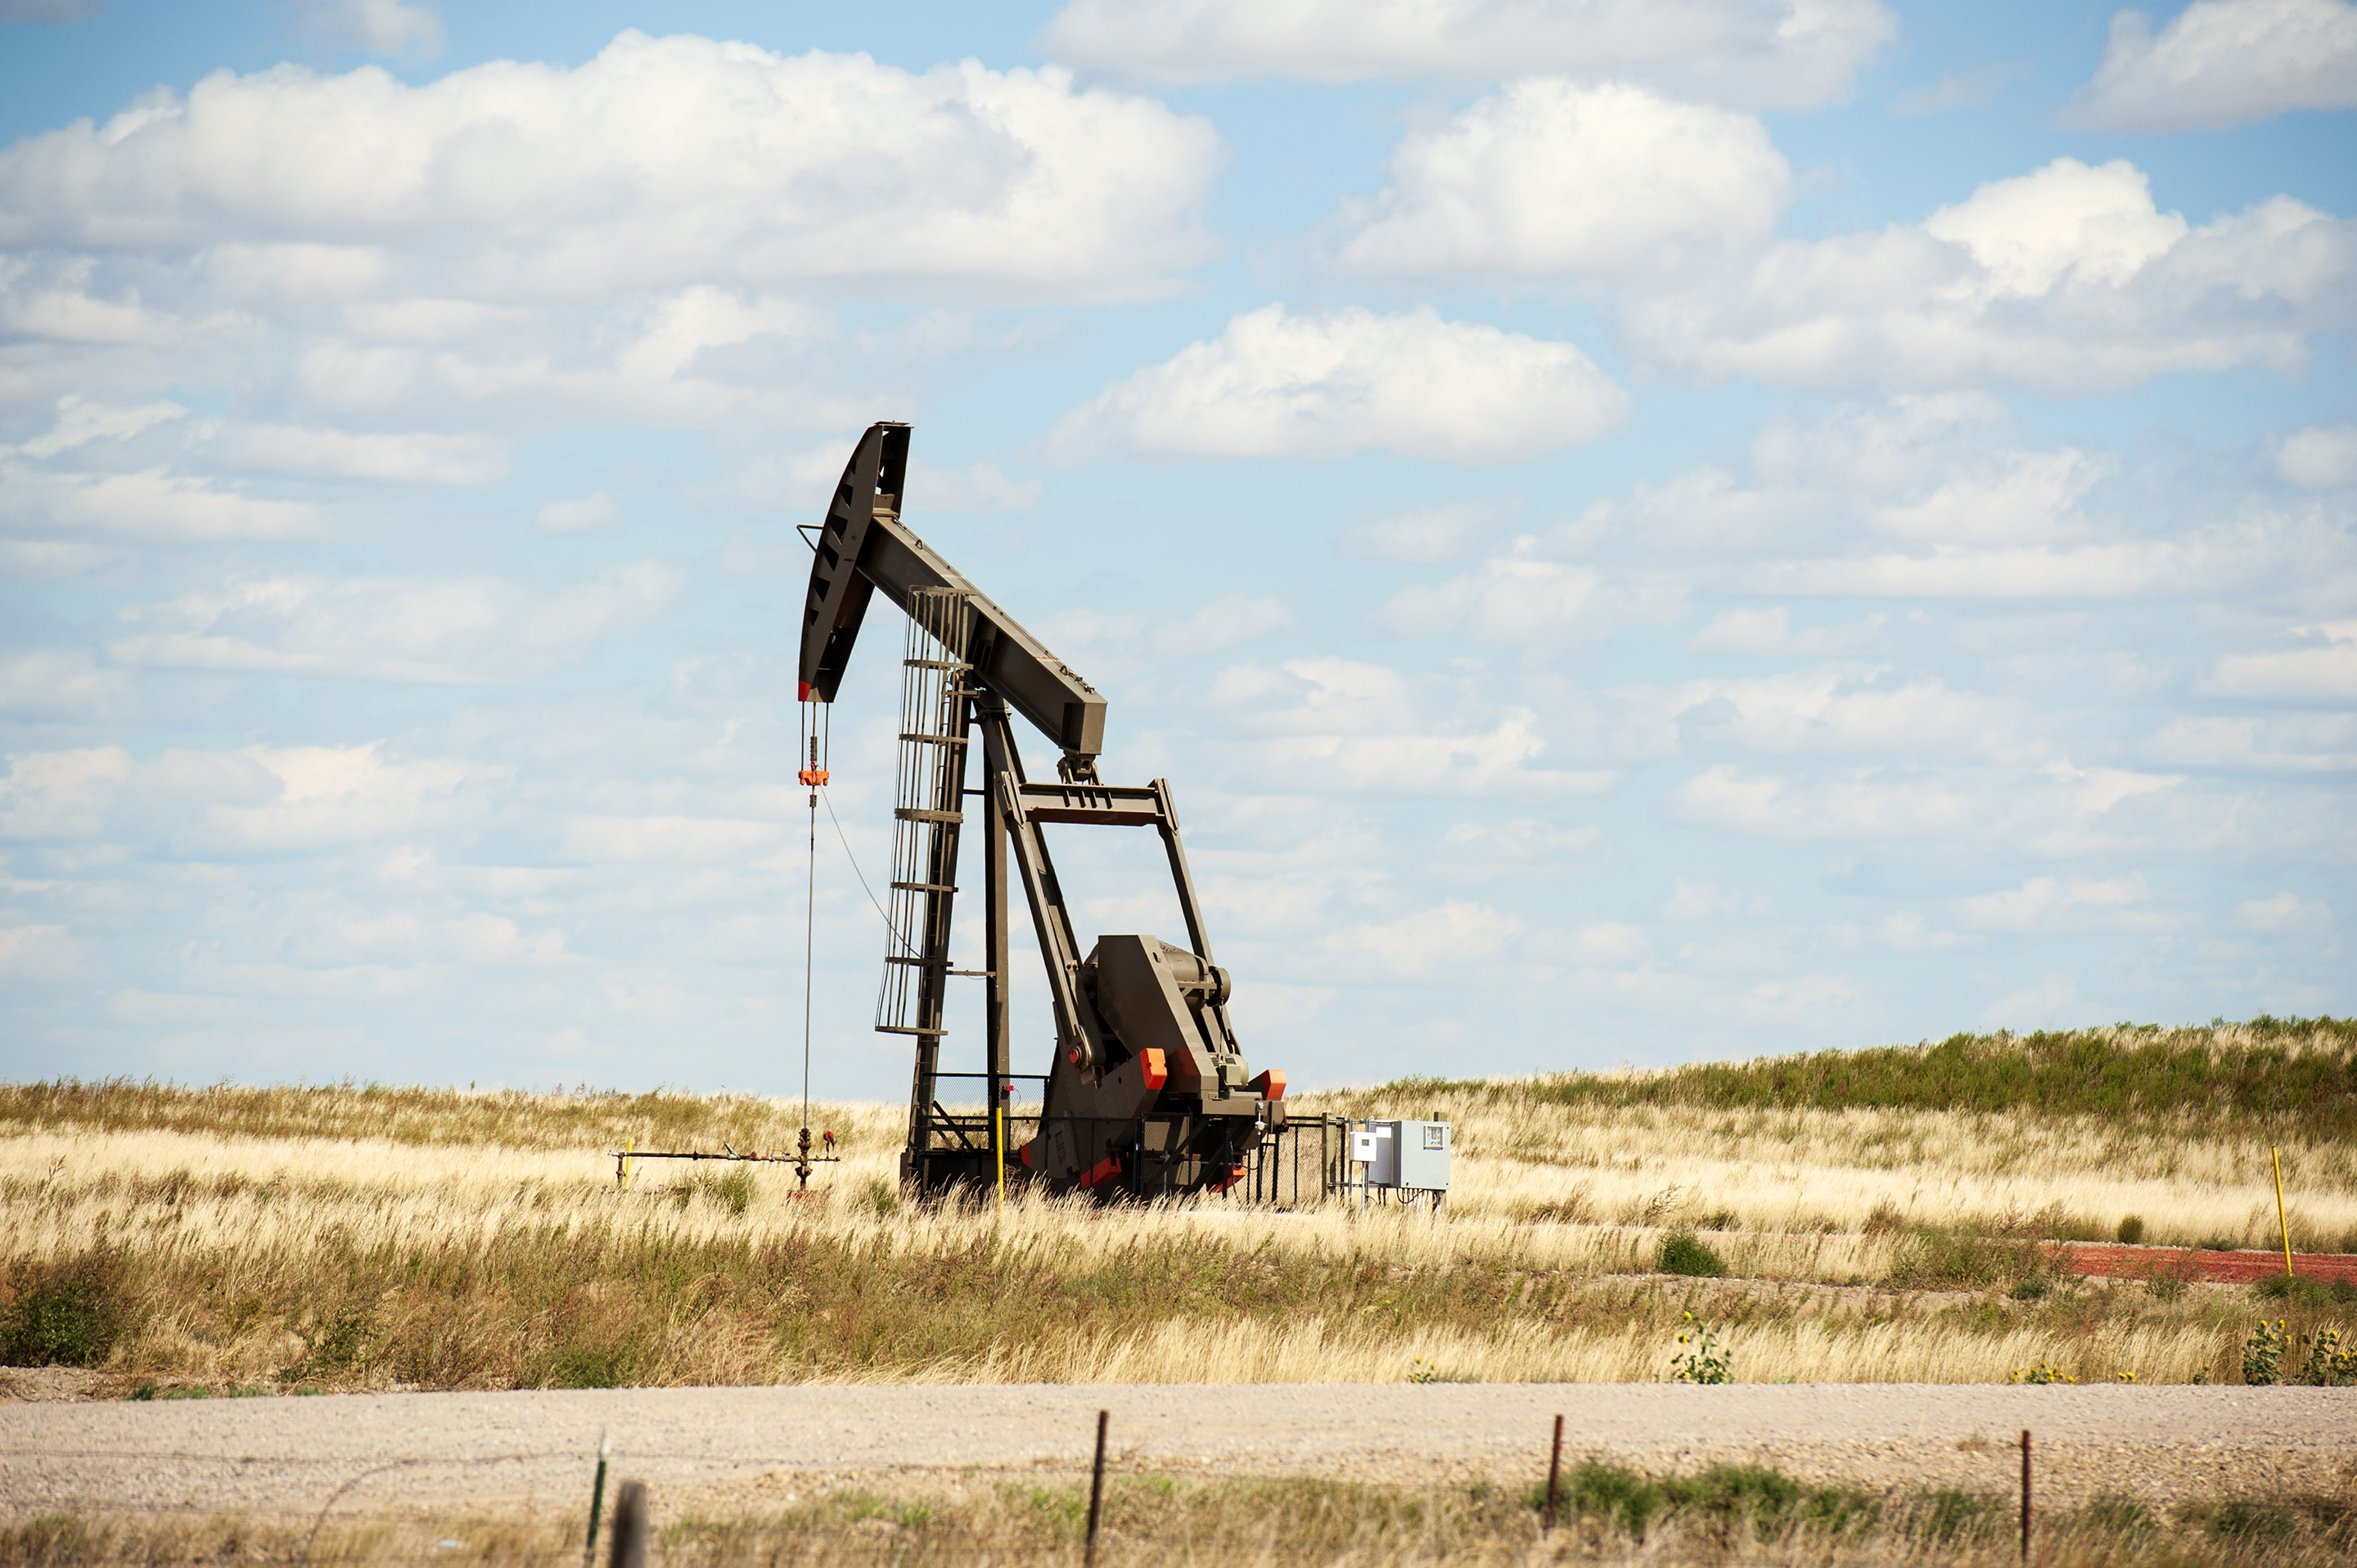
pixel 2236 1267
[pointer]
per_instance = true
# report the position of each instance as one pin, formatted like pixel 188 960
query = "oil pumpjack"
pixel 1149 1093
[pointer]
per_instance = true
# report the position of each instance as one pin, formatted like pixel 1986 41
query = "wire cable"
pixel 905 946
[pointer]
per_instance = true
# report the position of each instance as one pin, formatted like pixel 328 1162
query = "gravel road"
pixel 712 1448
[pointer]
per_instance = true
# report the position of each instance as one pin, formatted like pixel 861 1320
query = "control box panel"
pixel 1413 1155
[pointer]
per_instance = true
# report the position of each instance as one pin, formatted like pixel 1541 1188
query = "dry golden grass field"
pixel 1876 1214
pixel 1872 1217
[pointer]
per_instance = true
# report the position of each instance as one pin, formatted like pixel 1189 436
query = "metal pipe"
pixel 596 1500
pixel 2283 1226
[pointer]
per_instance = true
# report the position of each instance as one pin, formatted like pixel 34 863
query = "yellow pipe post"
pixel 998 1115
pixel 2283 1227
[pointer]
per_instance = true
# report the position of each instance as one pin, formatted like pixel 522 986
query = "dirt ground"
pixel 2241 1266
pixel 715 1450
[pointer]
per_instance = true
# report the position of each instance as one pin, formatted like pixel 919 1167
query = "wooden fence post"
pixel 1096 1489
pixel 1555 1472
pixel 2025 1495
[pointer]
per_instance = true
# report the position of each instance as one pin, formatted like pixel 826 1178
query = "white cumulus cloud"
pixel 401 280
pixel 1768 632
pixel 62 794
pixel 1424 535
pixel 1528 601
pixel 2322 457
pixel 2222 62
pixel 463 631
pixel 53 680
pixel 2278 742
pixel 1548 178
pixel 380 27
pixel 2284 912
pixel 1366 726
pixel 1840 708
pixel 2324 671
pixel 151 503
pixel 1446 940
pixel 1224 622
pixel 1690 901
pixel 1780 54
pixel 2068 279
pixel 578 515
pixel 516 180
pixel 1316 386
pixel 2046 903
pixel 414 457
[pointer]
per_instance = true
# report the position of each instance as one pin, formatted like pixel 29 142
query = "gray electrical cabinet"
pixel 1410 1154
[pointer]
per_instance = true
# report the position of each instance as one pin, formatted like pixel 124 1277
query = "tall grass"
pixel 373 1265
pixel 2003 1135
pixel 1609 1512
pixel 373 1236
pixel 410 1116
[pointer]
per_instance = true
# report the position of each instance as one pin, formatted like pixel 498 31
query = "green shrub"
pixel 65 1312
pixel 578 1364
pixel 343 1340
pixel 2247 1519
pixel 733 1191
pixel 2301 1290
pixel 2131 1230
pixel 2109 1513
pixel 59 1538
pixel 1730 1498
pixel 1947 1260
pixel 2171 1279
pixel 2032 1288
pixel 1683 1253
pixel 1950 1515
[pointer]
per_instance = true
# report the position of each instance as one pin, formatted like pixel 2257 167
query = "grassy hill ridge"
pixel 2291 1075
pixel 2288 1075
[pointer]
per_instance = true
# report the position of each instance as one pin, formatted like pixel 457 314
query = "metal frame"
pixel 1105 1112
pixel 945 1147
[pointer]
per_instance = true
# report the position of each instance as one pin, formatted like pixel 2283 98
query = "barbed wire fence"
pixel 625 1543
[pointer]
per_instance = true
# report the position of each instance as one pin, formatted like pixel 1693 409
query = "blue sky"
pixel 1638 532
